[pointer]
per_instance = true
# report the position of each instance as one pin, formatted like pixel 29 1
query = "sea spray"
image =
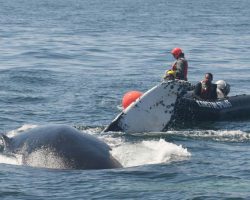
pixel 149 152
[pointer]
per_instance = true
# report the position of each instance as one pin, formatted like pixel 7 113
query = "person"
pixel 180 66
pixel 205 89
pixel 223 89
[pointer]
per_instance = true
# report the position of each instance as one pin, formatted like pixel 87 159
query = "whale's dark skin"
pixel 74 149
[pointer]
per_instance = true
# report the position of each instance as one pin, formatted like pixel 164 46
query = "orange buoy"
pixel 130 97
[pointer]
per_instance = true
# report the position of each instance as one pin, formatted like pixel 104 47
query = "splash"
pixel 46 158
pixel 149 152
pixel 7 159
pixel 216 135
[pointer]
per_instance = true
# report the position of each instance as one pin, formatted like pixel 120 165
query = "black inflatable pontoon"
pixel 231 108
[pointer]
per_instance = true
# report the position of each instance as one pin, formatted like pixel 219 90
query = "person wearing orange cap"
pixel 180 66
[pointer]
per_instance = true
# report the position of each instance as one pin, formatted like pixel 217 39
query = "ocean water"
pixel 70 62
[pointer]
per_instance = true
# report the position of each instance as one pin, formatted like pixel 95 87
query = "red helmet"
pixel 176 52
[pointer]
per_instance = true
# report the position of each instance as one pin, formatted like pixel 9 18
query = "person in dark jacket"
pixel 180 66
pixel 205 89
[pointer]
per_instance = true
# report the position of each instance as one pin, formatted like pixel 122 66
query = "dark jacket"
pixel 181 67
pixel 209 93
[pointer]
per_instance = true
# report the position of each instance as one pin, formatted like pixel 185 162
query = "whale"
pixel 60 147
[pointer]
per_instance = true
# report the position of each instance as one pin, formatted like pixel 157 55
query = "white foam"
pixel 218 135
pixel 228 135
pixel 45 158
pixel 149 152
pixel 9 160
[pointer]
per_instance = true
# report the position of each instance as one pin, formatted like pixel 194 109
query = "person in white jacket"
pixel 223 89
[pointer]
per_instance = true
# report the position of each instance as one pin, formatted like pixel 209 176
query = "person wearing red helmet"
pixel 180 66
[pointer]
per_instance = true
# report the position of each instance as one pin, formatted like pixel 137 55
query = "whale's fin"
pixel 153 111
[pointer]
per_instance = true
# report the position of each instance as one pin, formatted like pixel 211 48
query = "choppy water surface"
pixel 70 62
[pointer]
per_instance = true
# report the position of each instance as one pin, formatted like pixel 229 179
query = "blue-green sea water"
pixel 70 62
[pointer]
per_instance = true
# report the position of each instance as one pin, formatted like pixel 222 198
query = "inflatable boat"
pixel 170 104
pixel 192 111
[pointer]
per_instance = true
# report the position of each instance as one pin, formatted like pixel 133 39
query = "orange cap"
pixel 176 52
